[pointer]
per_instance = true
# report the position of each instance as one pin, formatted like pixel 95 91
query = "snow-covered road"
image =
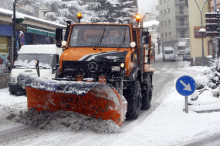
pixel 164 124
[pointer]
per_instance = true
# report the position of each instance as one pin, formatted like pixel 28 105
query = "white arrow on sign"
pixel 187 87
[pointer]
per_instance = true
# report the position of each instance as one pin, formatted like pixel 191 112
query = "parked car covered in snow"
pixel 169 54
pixel 186 55
pixel 46 55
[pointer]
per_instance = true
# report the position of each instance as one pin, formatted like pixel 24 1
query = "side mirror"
pixel 54 68
pixel 59 37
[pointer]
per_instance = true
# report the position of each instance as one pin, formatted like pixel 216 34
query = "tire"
pixel 146 93
pixel 134 102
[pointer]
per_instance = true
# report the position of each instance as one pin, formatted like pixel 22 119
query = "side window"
pixel 57 59
pixel 134 36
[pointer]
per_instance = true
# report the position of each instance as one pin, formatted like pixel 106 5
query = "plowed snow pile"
pixel 63 120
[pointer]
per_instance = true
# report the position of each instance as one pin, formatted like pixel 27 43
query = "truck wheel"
pixel 146 93
pixel 134 102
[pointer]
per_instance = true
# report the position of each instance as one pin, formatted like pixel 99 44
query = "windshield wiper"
pixel 43 67
pixel 100 41
pixel 123 40
pixel 18 66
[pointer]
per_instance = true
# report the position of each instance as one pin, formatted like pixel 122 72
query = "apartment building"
pixel 174 23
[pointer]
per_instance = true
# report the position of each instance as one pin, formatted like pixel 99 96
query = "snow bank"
pixel 65 120
pixel 210 79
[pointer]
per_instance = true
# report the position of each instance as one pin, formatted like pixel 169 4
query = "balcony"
pixel 180 2
pixel 182 25
pixel 178 14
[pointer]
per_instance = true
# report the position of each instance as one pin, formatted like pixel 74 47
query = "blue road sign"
pixel 185 85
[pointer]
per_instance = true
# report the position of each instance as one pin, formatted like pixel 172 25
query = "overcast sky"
pixel 147 5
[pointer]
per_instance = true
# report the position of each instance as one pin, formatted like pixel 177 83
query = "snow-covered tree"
pixel 127 11
pixel 113 11
pixel 211 79
pixel 31 7
pixel 61 11
pixel 105 10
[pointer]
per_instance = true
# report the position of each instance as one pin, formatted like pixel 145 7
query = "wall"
pixel 167 22
pixel 211 6
pixel 4 79
pixel 195 20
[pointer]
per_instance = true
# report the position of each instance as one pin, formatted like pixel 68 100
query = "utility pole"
pixel 13 51
pixel 215 6
pixel 218 24
pixel 159 43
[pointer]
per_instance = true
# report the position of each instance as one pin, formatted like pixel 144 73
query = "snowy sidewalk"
pixel 205 103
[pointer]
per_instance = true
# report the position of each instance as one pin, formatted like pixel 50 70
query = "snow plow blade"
pixel 89 98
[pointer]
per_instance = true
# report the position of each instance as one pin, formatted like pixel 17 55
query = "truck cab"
pixel 95 50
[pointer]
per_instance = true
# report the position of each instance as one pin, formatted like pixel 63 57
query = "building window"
pixel 181 10
pixel 165 34
pixel 170 33
pixel 161 12
pixel 182 34
pixel 164 12
pixel 181 21
pixel 169 21
pixel 162 35
pixel 160 1
pixel 165 23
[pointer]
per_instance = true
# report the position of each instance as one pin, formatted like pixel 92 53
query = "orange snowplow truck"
pixel 102 73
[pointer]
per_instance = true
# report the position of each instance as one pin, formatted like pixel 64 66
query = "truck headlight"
pixel 116 68
pixel 12 79
pixel 122 65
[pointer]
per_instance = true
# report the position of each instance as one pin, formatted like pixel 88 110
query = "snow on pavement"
pixel 167 125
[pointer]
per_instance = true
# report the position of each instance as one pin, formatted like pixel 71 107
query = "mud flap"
pixel 91 99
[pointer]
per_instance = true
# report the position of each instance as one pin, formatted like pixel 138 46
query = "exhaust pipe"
pixel 37 67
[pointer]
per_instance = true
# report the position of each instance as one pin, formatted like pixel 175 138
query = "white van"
pixel 48 57
pixel 169 54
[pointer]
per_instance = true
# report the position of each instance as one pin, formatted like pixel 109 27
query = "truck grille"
pixel 87 69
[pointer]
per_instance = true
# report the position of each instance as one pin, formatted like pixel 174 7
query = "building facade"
pixel 151 23
pixel 174 22
pixel 213 42
pixel 195 36
pixel 31 31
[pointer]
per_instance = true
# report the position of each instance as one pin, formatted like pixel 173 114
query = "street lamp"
pixel 203 30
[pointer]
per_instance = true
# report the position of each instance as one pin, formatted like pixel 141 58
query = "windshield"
pixel 110 36
pixel 181 48
pixel 28 60
pixel 168 51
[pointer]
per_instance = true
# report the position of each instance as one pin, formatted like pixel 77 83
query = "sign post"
pixel 186 86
